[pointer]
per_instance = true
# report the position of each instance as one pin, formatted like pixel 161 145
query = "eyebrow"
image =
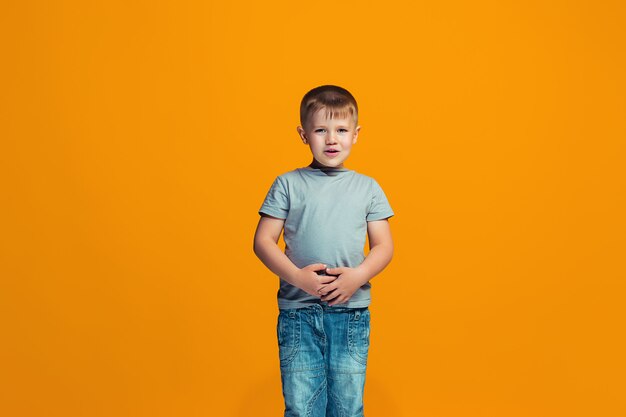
pixel 340 126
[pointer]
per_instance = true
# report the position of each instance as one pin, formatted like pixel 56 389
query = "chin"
pixel 334 164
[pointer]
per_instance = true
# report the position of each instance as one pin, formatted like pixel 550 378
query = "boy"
pixel 325 209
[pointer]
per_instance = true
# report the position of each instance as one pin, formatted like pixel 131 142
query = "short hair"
pixel 336 100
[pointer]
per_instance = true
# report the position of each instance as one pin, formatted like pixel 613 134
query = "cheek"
pixel 314 142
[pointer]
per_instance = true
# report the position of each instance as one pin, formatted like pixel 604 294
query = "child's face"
pixel 330 140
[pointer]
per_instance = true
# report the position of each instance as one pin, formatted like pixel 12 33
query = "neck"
pixel 317 165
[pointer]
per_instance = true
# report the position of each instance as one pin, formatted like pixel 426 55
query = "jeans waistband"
pixel 326 308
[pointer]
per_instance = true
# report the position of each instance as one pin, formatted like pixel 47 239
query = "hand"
pixel 348 281
pixel 310 282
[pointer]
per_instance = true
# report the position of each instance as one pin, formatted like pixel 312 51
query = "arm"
pixel 266 249
pixel 351 279
pixel 381 249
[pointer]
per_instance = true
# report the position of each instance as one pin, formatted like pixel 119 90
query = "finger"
pixel 331 295
pixel 325 289
pixel 327 279
pixel 339 300
pixel 335 271
pixel 315 267
pixel 320 291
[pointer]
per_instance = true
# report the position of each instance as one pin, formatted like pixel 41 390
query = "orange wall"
pixel 139 139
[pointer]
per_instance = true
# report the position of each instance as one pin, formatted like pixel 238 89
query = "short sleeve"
pixel 276 201
pixel 379 205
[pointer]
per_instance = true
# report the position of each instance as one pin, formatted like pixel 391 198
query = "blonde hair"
pixel 336 100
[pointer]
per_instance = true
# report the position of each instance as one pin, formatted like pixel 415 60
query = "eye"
pixel 320 130
pixel 343 130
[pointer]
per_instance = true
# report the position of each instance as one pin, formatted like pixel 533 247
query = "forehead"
pixel 326 115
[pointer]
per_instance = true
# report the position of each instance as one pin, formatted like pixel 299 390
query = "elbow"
pixel 387 249
pixel 256 245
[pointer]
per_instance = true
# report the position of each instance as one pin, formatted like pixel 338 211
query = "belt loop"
pixel 357 314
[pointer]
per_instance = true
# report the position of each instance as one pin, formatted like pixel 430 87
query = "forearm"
pixel 275 260
pixel 377 259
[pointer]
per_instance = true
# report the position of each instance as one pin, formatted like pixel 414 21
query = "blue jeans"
pixel 323 358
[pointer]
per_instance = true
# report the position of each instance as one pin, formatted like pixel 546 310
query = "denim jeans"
pixel 323 358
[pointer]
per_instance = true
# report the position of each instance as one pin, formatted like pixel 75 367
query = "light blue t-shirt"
pixel 326 213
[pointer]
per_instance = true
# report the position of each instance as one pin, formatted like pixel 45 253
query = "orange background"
pixel 140 138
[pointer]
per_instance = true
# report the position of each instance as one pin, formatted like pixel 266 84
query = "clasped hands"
pixel 336 288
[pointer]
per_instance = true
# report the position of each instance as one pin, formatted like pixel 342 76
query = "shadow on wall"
pixel 263 397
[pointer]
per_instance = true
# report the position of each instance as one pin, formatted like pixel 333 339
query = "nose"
pixel 330 138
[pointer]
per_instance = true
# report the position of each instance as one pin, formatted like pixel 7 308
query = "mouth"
pixel 331 152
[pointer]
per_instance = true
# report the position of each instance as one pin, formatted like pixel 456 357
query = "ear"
pixel 356 134
pixel 302 134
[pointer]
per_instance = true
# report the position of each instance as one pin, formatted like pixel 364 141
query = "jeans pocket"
pixel 288 333
pixel 359 335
